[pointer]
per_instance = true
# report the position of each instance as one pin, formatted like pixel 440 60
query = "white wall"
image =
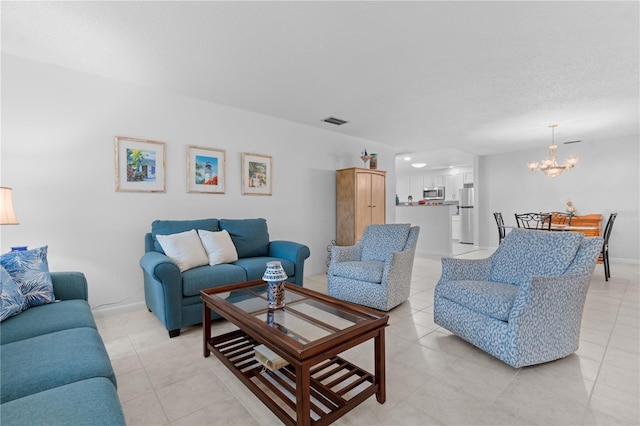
pixel 605 180
pixel 58 130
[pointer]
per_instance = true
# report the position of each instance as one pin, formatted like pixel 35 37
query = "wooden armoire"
pixel 361 199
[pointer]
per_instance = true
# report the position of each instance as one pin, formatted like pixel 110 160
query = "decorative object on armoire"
pixel 373 162
pixel 139 165
pixel 206 170
pixel 275 276
pixel 360 202
pixel 549 164
pixel 364 157
pixel 256 174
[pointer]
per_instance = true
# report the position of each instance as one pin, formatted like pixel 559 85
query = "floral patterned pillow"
pixel 29 269
pixel 11 300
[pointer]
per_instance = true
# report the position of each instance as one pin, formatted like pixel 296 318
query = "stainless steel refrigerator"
pixel 466 215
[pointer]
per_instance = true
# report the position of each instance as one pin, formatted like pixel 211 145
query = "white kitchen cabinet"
pixel 417 187
pixel 455 227
pixel 467 177
pixel 403 187
pixel 434 180
pixel 450 192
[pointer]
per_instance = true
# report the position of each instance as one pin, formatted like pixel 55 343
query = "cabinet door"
pixel 403 187
pixel 363 203
pixel 449 188
pixel 468 177
pixel 438 180
pixel 378 199
pixel 417 188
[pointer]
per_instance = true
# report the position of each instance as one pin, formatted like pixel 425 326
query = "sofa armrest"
pixel 160 267
pixel 345 253
pixel 454 269
pixel 547 304
pixel 69 285
pixel 292 251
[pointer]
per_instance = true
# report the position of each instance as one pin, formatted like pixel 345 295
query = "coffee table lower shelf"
pixel 336 386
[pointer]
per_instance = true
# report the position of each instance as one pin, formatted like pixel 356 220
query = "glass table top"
pixel 302 319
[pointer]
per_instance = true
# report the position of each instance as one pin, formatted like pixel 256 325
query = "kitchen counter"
pixel 435 227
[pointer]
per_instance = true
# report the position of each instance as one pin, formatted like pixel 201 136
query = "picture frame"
pixel 140 165
pixel 206 170
pixel 257 174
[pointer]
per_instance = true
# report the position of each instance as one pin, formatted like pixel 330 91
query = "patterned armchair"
pixel 376 272
pixel 524 303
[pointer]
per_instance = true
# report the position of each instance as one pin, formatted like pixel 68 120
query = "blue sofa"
pixel 55 368
pixel 524 303
pixel 174 296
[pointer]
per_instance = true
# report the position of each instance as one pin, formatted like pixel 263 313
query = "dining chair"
pixel 604 255
pixel 560 218
pixel 500 223
pixel 534 221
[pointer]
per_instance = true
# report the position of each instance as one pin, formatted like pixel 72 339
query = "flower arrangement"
pixel 571 209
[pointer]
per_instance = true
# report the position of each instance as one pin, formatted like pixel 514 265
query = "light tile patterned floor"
pixel 433 377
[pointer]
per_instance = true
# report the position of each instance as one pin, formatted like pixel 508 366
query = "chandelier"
pixel 549 164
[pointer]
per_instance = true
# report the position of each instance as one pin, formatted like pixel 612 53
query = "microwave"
pixel 435 193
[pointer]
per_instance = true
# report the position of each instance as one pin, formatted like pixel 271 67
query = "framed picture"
pixel 205 170
pixel 139 165
pixel 256 174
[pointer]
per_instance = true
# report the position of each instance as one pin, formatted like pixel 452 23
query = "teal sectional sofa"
pixel 173 295
pixel 54 366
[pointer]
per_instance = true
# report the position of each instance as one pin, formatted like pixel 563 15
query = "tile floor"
pixel 433 377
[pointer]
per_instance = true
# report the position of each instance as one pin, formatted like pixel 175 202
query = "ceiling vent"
pixel 570 142
pixel 336 121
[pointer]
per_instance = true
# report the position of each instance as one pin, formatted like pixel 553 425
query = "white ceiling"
pixel 439 79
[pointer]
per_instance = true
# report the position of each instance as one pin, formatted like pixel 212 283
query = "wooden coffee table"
pixel 317 386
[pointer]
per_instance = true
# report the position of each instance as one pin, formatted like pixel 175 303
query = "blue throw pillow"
pixel 168 227
pixel 250 236
pixel 11 300
pixel 29 269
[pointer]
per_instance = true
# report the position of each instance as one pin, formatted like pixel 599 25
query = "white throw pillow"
pixel 184 248
pixel 219 246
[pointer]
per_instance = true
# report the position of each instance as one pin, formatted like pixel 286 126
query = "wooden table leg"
pixel 206 329
pixel 303 395
pixel 381 379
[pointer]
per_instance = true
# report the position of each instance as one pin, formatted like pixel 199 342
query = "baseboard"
pixel 116 310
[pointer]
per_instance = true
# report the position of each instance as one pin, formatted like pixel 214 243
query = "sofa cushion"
pixel 524 254
pixel 11 299
pixel 184 248
pixel 370 270
pixel 51 360
pixel 168 227
pixel 204 277
pixel 379 241
pixel 255 266
pixel 218 246
pixel 45 319
pixel 492 299
pixel 30 270
pixel 250 236
pixel 91 402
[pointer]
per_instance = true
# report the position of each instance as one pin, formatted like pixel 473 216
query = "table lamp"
pixel 7 215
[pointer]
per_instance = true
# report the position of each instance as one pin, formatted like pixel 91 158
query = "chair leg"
pixel 174 333
pixel 605 261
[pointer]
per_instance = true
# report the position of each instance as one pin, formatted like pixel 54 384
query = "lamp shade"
pixel 7 215
pixel 274 272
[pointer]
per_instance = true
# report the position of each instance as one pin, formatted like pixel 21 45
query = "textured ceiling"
pixel 475 77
